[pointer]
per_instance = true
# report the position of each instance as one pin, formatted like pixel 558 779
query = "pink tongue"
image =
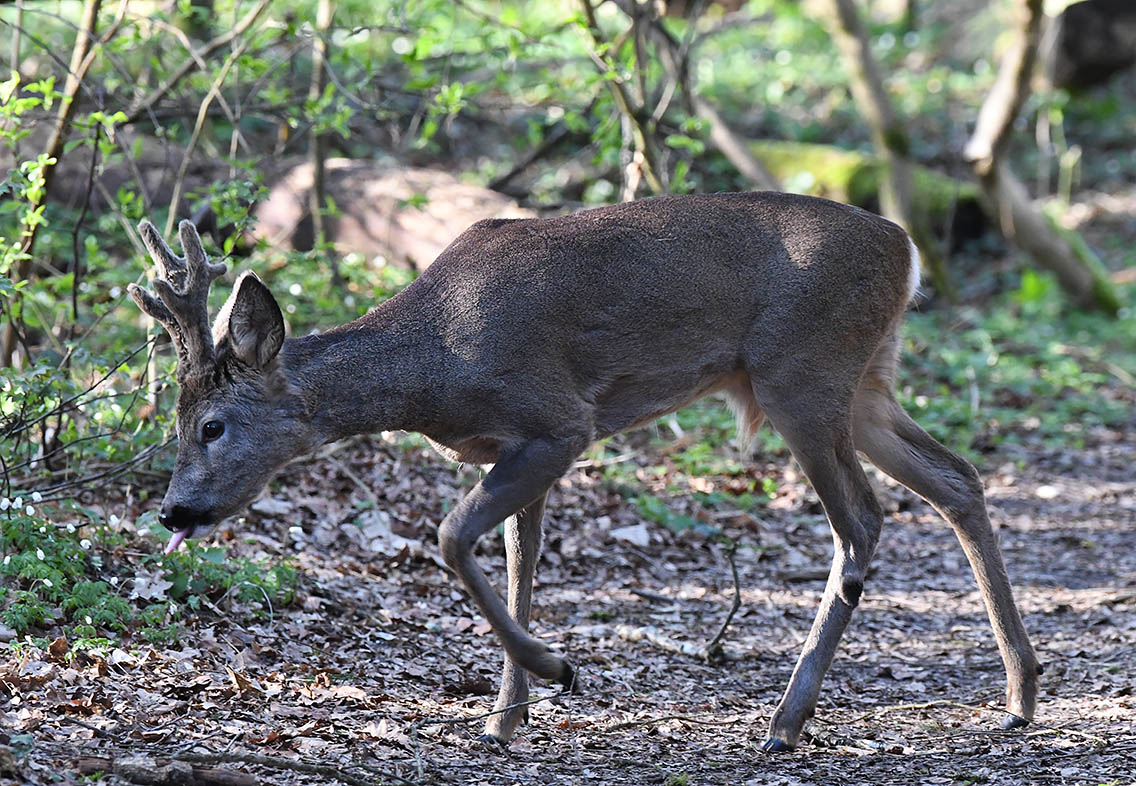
pixel 176 540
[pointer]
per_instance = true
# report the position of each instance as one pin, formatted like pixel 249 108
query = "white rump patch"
pixel 913 274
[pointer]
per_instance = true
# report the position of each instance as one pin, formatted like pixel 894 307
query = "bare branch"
pixel 1009 92
pixel 193 61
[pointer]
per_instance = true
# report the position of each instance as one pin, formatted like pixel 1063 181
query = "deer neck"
pixel 370 375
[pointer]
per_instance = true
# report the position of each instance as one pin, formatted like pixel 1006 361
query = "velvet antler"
pixel 181 304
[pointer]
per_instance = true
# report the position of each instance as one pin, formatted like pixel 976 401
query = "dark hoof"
pixel 776 745
pixel 567 678
pixel 496 743
pixel 1012 721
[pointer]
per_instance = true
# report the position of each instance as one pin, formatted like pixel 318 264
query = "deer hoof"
pixel 1012 721
pixel 567 678
pixel 776 745
pixel 494 742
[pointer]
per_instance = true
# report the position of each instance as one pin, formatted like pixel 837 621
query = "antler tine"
pixel 170 265
pixel 182 303
pixel 196 261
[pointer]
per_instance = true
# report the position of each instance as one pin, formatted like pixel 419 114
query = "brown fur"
pixel 529 339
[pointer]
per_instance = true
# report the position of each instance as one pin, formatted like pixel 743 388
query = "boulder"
pixel 405 215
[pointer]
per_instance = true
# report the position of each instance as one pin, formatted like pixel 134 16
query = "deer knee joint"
pixel 453 542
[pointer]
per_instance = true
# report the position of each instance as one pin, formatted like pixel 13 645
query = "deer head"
pixel 238 420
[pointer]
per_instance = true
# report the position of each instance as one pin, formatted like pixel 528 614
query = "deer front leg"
pixel 522 552
pixel 519 480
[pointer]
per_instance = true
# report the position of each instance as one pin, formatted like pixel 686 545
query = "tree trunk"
pixel 317 197
pixel 842 20
pixel 76 70
pixel 735 149
pixel 1077 269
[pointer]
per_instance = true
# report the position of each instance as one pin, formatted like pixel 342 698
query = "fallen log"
pixel 151 771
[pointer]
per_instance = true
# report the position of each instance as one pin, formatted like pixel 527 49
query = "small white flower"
pixel 5 503
pixel 42 527
pixel 7 559
pixel 30 510
pixel 37 497
pixel 84 544
pixel 17 502
pixel 113 520
pixel 71 527
pixel 87 619
pixel 47 583
pixel 114 581
pixel 295 290
pixel 39 554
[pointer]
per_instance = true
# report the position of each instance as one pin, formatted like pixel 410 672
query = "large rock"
pixel 405 215
pixel 1095 40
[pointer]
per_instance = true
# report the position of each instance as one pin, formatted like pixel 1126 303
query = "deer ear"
pixel 251 321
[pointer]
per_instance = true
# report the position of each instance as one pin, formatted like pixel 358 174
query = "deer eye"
pixel 212 430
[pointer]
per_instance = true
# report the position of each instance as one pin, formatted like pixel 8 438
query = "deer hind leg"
pixel 522 551
pixel 823 447
pixel 899 447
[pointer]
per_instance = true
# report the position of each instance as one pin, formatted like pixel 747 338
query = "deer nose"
pixel 178 517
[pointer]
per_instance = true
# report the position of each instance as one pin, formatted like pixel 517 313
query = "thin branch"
pixel 77 69
pixel 664 718
pixel 469 719
pixel 202 113
pixel 335 772
pixel 674 56
pixel 647 158
pixel 191 62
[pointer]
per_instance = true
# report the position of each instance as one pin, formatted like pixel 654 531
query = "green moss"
pixel 854 177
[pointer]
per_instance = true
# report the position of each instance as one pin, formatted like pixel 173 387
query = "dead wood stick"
pixel 653 635
pixel 158 772
pixel 713 650
pixel 311 768
pixel 414 727
pixel 664 718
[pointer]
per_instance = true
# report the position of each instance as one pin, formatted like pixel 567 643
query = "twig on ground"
pixel 147 770
pixel 653 596
pixel 713 650
pixel 418 724
pixel 353 477
pixel 665 718
pixel 1038 729
pixel 335 772
pixel 653 635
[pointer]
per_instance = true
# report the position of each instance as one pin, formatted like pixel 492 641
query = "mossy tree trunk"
pixel 1078 270
pixel 842 20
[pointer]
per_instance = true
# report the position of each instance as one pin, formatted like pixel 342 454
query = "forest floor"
pixel 370 671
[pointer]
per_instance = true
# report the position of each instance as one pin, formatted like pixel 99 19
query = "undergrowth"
pixel 65 572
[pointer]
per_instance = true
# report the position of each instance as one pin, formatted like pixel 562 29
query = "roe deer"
pixel 529 339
